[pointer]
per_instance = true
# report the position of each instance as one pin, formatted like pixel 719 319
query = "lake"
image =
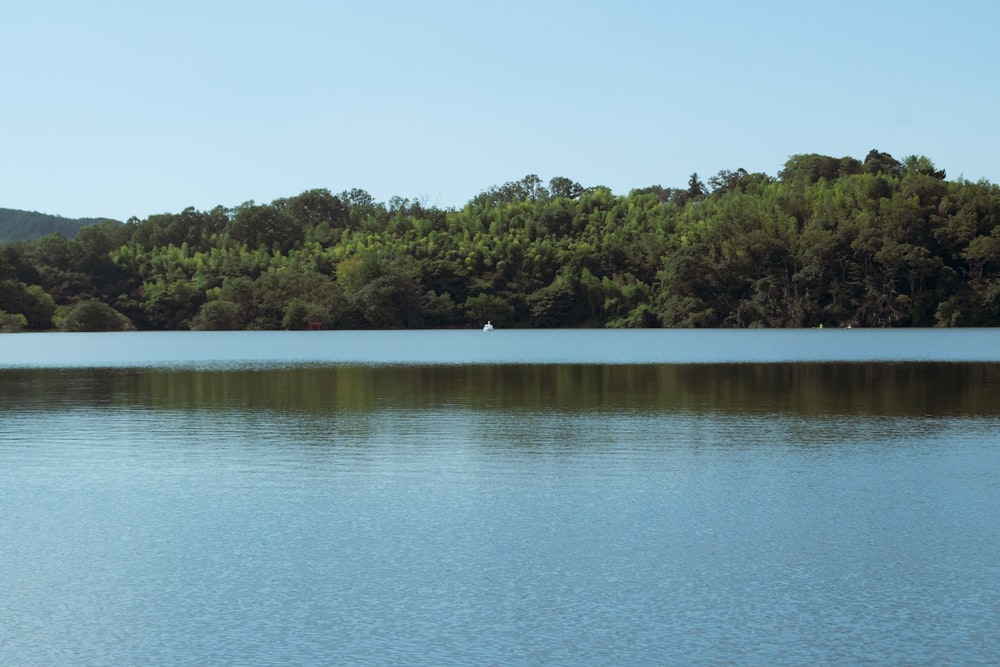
pixel 546 346
pixel 509 498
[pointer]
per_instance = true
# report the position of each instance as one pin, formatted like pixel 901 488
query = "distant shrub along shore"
pixel 830 241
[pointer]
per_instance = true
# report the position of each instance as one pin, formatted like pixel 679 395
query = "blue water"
pixel 555 346
pixel 187 510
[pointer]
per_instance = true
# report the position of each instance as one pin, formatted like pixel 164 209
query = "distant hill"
pixel 26 225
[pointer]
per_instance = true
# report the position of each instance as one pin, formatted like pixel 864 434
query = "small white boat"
pixel 488 326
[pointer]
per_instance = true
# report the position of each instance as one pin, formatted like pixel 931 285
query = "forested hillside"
pixel 829 241
pixel 26 225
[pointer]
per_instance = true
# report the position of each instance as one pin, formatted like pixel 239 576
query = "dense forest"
pixel 830 241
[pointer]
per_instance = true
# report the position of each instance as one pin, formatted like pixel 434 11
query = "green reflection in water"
pixel 867 389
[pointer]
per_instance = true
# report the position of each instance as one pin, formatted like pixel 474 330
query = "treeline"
pixel 829 241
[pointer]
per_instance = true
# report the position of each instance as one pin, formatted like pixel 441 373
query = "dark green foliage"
pixel 831 241
pixel 882 163
pixel 266 227
pixel 93 315
pixel 218 315
pixel 384 289
pixel 195 229
pixel 31 301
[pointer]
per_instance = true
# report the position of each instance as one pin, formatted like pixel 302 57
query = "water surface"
pixel 546 346
pixel 189 505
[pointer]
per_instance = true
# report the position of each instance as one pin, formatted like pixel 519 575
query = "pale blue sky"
pixel 122 108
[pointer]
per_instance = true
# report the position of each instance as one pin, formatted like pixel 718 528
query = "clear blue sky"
pixel 121 108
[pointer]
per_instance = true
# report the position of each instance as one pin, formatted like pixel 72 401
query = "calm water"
pixel 580 346
pixel 403 498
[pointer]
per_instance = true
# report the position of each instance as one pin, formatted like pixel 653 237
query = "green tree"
pixel 171 305
pixel 877 162
pixel 809 168
pixel 265 226
pixel 315 207
pixel 562 187
pixel 30 301
pixel 218 315
pixel 12 322
pixel 832 241
pixel 482 308
pixel 696 189
pixel 93 315
pixel 301 314
pixel 288 298
pixel 92 249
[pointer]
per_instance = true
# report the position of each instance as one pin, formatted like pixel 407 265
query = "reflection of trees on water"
pixel 812 389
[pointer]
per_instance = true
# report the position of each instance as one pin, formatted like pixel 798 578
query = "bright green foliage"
pixel 831 241
pixel 12 322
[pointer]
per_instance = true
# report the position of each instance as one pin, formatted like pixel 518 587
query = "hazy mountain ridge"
pixel 17 225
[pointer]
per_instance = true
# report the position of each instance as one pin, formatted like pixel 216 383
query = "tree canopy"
pixel 832 241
